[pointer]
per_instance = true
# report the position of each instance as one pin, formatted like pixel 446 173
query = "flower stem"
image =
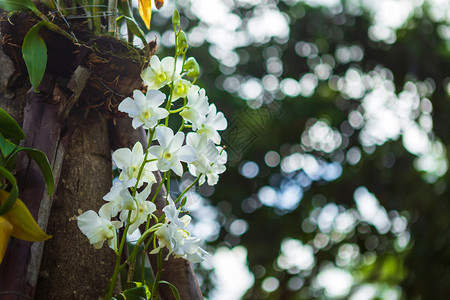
pixel 187 189
pixel 113 280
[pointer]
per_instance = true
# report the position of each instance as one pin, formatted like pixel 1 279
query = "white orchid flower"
pixel 182 88
pixel 169 236
pixel 170 152
pixel 140 213
pixel 119 198
pixel 210 159
pixel 98 227
pixel 197 106
pixel 130 161
pixel 210 124
pixel 144 109
pixel 159 73
pixel 172 212
pixel 191 250
pixel 174 236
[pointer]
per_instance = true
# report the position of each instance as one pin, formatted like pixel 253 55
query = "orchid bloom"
pixel 159 73
pixel 176 239
pixel 143 209
pixel 144 109
pixel 99 228
pixel 197 106
pixel 170 152
pixel 129 161
pixel 182 88
pixel 210 159
pixel 119 198
pixel 210 124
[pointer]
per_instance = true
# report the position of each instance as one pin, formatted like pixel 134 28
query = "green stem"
pixel 159 187
pixel 177 110
pixel 54 27
pixel 112 16
pixel 187 189
pixel 113 280
pixel 158 275
pixel 88 13
pixel 96 17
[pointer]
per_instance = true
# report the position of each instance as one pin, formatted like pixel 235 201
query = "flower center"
pixel 167 155
pixel 161 77
pixel 146 114
pixel 181 89
pixel 134 172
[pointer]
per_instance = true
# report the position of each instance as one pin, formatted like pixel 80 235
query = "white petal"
pixel 137 155
pixel 177 167
pixel 151 207
pixel 156 150
pixel 148 75
pixel 212 179
pixel 136 123
pixel 145 193
pixel 164 135
pixel 220 123
pixel 160 113
pixel 177 141
pixel 192 139
pixel 155 63
pixel 128 106
pixel 113 192
pixel 155 97
pixel 122 157
pixel 167 64
pixel 105 212
pixel 187 154
pixel 139 98
pixel 163 165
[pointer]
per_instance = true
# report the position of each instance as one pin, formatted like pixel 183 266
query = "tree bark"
pixel 71 268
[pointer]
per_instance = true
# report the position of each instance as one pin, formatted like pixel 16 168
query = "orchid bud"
pixel 176 18
pixel 191 67
pixel 182 44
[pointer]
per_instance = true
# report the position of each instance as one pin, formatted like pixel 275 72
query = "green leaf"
pixel 13 194
pixel 9 127
pixel 6 147
pixel 17 5
pixel 133 27
pixel 34 54
pixel 148 294
pixel 136 293
pixel 174 289
pixel 41 159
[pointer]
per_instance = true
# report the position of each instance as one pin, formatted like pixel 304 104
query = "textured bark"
pixel 42 128
pixel 177 271
pixel 71 268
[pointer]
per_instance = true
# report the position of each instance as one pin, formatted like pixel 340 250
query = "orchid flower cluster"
pixel 127 204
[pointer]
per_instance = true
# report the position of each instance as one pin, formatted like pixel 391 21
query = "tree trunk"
pixel 71 268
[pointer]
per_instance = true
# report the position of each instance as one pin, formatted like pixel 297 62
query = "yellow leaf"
pixel 145 11
pixel 5 232
pixel 23 223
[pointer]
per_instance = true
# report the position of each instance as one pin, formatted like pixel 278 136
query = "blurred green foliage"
pixel 337 138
